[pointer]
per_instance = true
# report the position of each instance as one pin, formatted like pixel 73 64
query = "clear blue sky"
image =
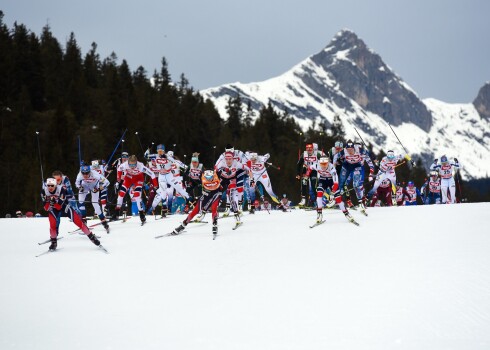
pixel 441 48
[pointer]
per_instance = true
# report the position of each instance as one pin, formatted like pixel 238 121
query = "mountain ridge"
pixel 350 80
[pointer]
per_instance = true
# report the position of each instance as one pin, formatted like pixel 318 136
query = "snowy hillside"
pixel 350 80
pixel 406 278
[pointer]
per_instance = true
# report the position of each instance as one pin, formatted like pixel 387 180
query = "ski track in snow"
pixel 406 278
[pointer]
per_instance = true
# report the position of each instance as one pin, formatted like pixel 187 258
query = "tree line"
pixel 66 96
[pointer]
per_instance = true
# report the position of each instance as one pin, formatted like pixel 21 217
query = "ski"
pixel 169 234
pixel 351 220
pixel 198 222
pixel 79 229
pixel 103 248
pixel 47 251
pixel 143 222
pixel 317 223
pixel 49 240
pixel 364 212
pixel 237 225
pixel 214 236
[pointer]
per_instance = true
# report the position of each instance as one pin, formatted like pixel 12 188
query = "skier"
pixel 260 178
pixel 231 173
pixel 352 157
pixel 413 192
pixel 192 180
pixel 90 181
pixel 54 197
pixel 432 188
pixel 400 195
pixel 387 169
pixel 152 165
pixel 328 180
pixel 445 170
pixel 308 179
pixel 177 181
pixel 383 194
pixel 240 157
pixel 134 171
pixel 64 181
pixel 102 170
pixel 209 200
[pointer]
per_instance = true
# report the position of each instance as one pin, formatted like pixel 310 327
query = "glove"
pixel 456 160
pixel 436 160
pixel 407 157
pixel 412 162
pixel 80 189
pixel 117 185
pixel 252 183
pixel 298 177
pixel 95 190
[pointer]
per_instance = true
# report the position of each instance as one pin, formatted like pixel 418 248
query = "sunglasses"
pixel 50 185
pixel 132 165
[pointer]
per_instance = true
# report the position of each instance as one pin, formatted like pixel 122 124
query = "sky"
pixel 441 48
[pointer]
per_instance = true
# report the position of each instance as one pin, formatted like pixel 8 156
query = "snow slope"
pixel 407 278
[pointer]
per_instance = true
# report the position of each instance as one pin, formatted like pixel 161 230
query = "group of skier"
pixel 328 178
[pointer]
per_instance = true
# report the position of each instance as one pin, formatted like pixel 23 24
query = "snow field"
pixel 406 278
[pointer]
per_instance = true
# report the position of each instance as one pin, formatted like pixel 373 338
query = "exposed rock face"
pixel 482 102
pixel 365 78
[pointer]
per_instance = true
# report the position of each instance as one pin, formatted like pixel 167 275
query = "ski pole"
pixel 79 151
pixel 401 144
pixel 117 145
pixel 458 176
pixel 273 166
pixel 365 146
pixel 139 141
pixel 39 152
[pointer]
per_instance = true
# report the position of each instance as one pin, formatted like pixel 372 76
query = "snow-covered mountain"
pixel 350 80
pixel 273 284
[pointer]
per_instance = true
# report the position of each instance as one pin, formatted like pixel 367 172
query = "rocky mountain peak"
pixel 365 78
pixel 482 102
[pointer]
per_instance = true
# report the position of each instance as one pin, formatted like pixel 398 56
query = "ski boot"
pixel 237 217
pixel 215 228
pixel 200 217
pixel 252 210
pixel 319 215
pixel 302 202
pixel 117 213
pixel 94 239
pixel 142 217
pixel 106 225
pixel 349 203
pixel 54 244
pixel 227 210
pixel 179 229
